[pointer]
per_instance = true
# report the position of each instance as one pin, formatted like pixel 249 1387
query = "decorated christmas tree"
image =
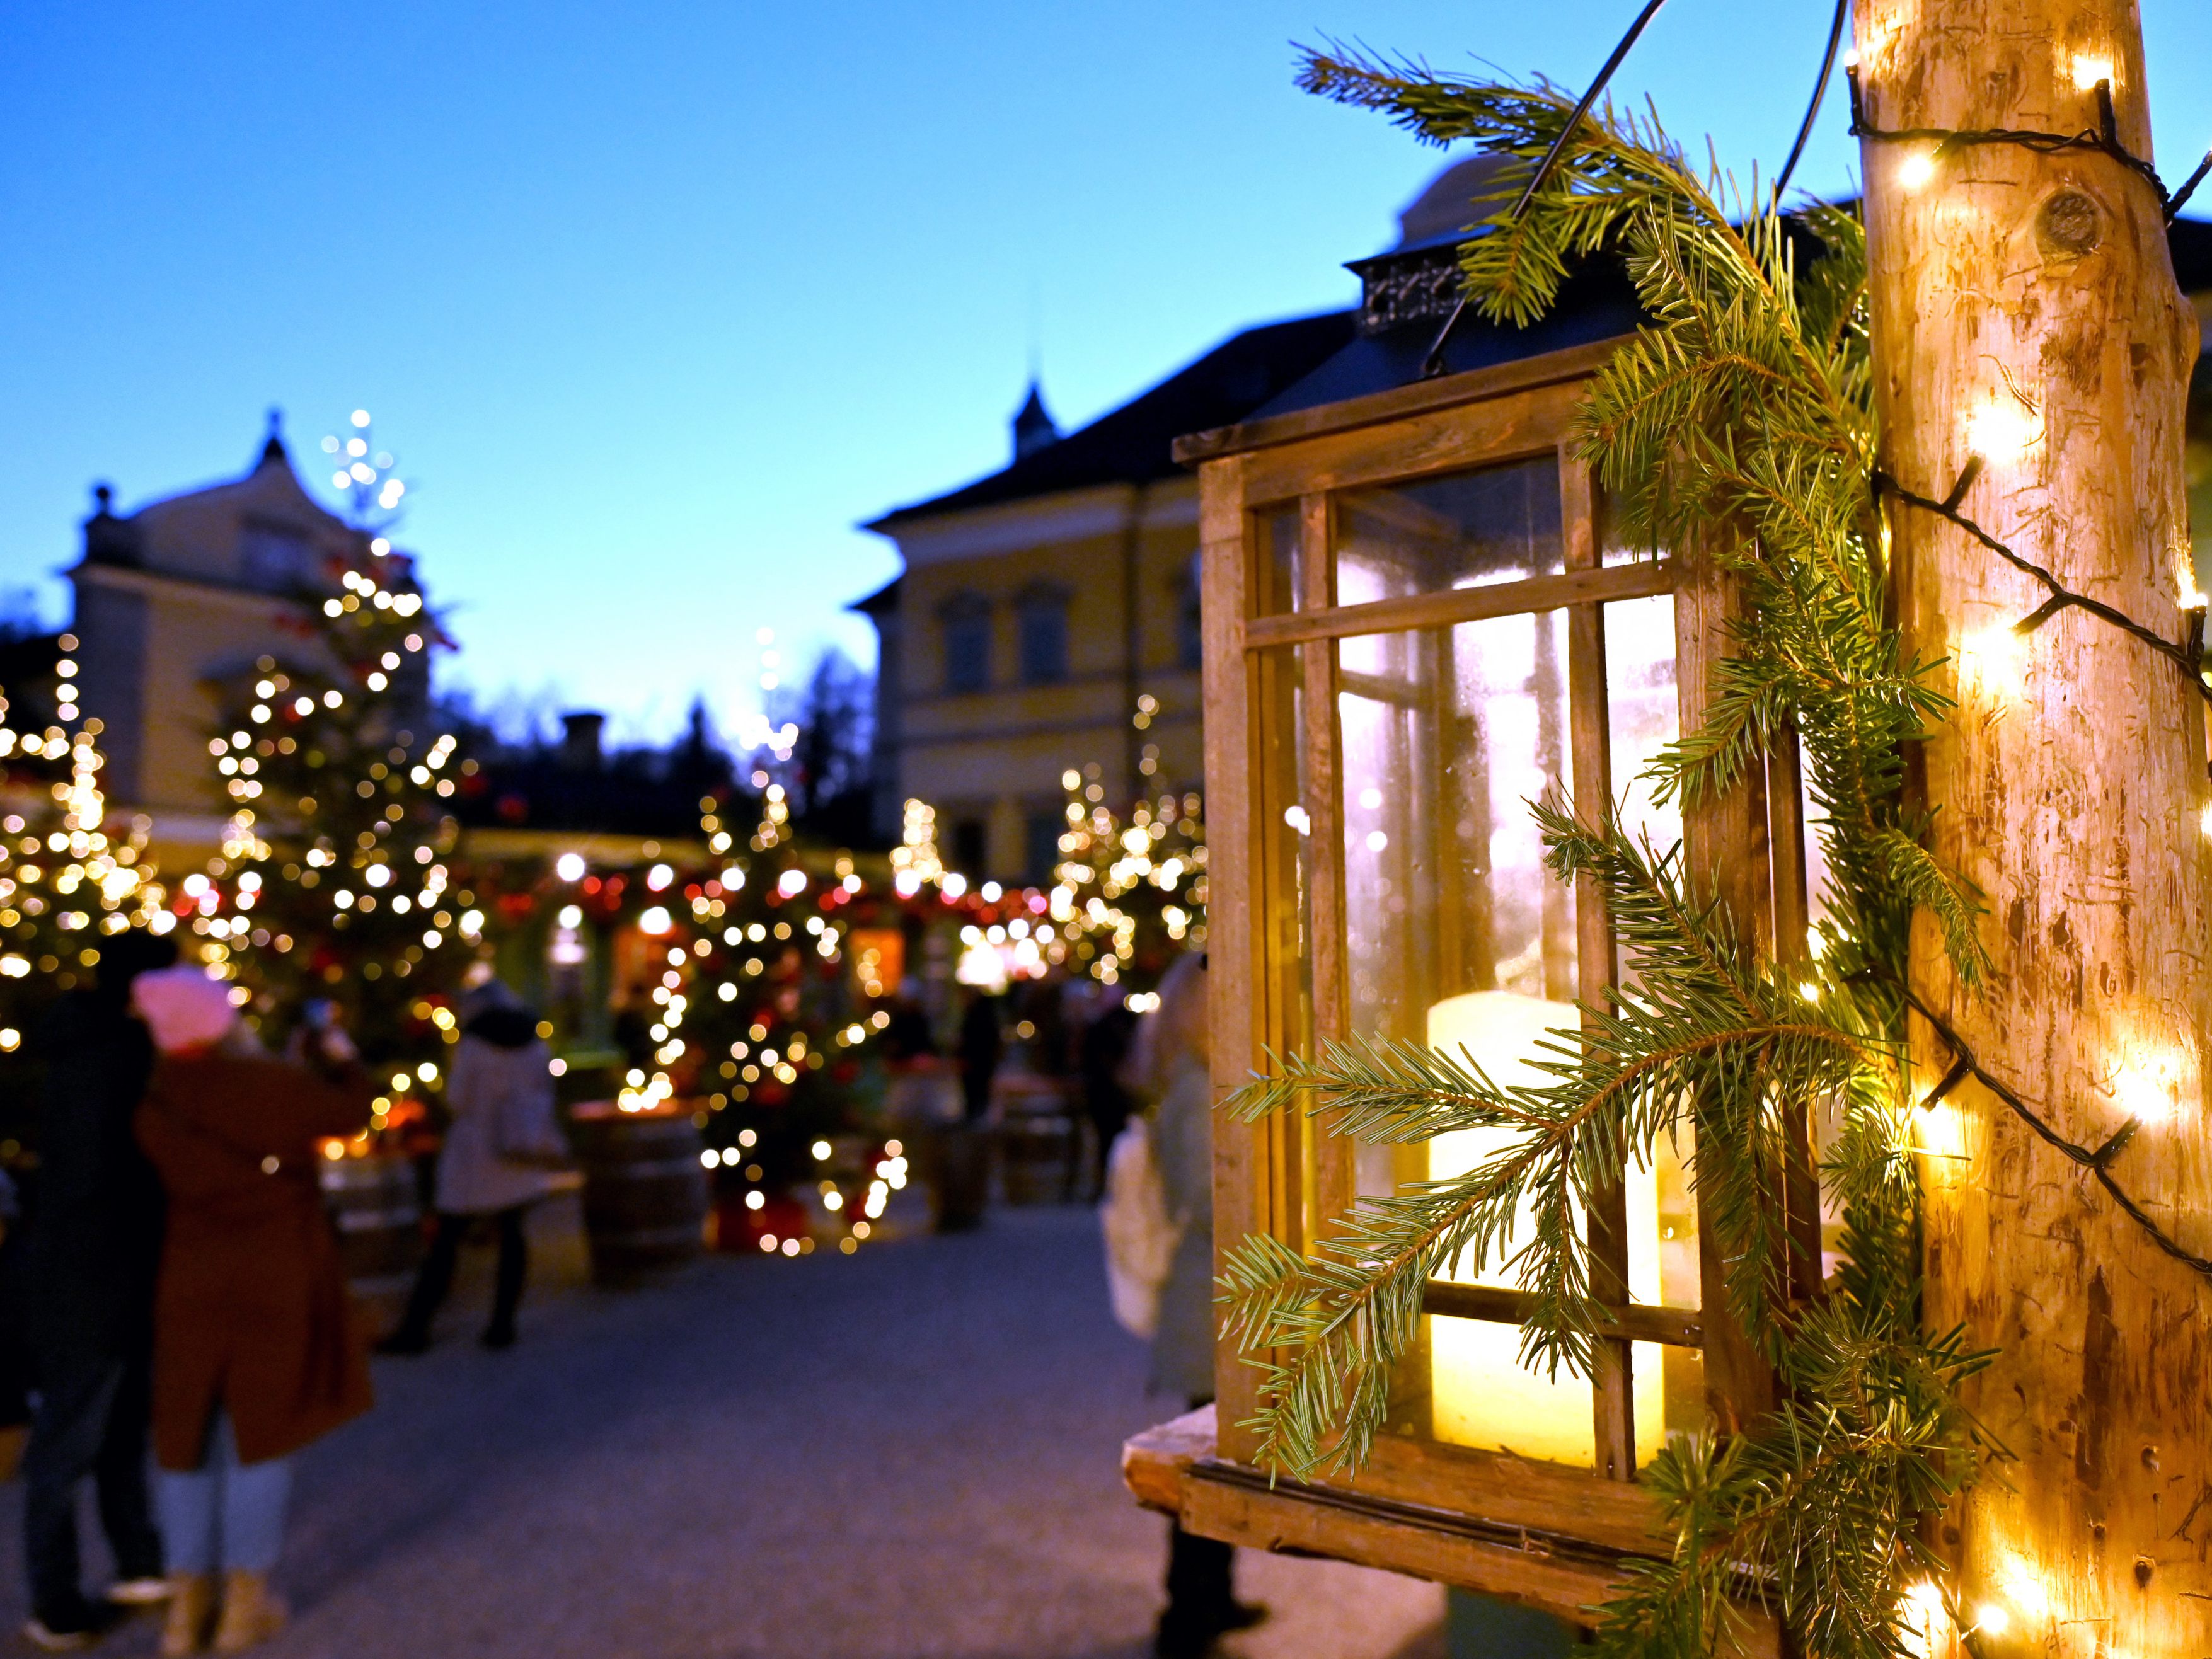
pixel 336 878
pixel 1128 895
pixel 756 1022
pixel 66 883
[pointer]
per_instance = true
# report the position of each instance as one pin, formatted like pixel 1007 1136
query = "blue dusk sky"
pixel 655 304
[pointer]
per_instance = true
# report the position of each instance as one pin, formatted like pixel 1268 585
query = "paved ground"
pixel 907 1452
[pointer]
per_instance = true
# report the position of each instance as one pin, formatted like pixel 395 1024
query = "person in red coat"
pixel 256 1348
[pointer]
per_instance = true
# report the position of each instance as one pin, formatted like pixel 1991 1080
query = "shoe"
pixel 1242 1616
pixel 499 1336
pixel 66 1630
pixel 404 1342
pixel 191 1610
pixel 251 1612
pixel 138 1592
pixel 1177 1639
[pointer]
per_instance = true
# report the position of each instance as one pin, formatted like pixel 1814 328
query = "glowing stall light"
pixel 791 883
pixel 656 921
pixel 1482 1396
pixel 982 965
pixel 569 867
pixel 659 877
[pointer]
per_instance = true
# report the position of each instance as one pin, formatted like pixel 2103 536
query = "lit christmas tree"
pixel 1126 895
pixel 755 1023
pixel 336 878
pixel 66 885
pixel 363 475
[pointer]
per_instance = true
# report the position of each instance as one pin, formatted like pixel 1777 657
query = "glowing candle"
pixel 1481 1395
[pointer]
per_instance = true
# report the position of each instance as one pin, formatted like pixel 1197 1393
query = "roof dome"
pixel 1448 206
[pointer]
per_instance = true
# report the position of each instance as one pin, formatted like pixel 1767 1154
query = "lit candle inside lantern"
pixel 1481 1395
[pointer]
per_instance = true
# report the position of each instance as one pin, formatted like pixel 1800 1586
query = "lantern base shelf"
pixel 1175 1469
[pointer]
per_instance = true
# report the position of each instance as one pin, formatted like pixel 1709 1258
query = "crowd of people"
pixel 181 1285
pixel 181 1290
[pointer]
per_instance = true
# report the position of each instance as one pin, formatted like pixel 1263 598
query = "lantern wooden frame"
pixel 1545 1534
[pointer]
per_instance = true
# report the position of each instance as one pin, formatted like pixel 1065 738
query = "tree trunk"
pixel 2024 308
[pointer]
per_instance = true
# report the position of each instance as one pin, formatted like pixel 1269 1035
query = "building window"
pixel 1043 614
pixel 969 842
pixel 1041 833
pixel 272 557
pixel 1190 638
pixel 967 620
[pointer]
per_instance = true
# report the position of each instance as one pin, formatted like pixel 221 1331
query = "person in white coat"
pixel 502 1147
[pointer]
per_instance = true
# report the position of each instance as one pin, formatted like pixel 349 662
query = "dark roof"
pixel 1596 304
pixel 1131 444
pixel 883 601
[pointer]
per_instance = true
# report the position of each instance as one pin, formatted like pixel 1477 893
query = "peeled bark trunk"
pixel 2025 307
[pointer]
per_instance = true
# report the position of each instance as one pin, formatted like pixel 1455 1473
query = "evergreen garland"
pixel 1738 422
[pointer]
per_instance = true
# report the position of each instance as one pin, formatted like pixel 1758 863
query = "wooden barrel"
pixel 373 1205
pixel 644 1189
pixel 958 1159
pixel 1040 1137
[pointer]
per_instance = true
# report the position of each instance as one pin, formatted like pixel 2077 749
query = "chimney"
pixel 580 740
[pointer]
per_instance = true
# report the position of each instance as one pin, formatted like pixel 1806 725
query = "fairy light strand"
pixel 2187 655
pixel 2098 1160
pixel 2104 138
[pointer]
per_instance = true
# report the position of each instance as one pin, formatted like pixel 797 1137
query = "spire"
pixel 274 450
pixel 1033 427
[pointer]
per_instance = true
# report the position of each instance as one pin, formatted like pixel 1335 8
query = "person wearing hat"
pixel 501 1150
pixel 89 1258
pixel 256 1349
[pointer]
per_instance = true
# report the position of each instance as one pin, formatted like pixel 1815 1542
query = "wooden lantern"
pixel 1416 623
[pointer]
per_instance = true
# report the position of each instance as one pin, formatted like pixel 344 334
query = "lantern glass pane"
pixel 1465 530
pixel 1456 933
pixel 1275 584
pixel 1643 716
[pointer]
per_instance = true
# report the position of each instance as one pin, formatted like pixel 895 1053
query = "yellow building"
pixel 183 592
pixel 1048 614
